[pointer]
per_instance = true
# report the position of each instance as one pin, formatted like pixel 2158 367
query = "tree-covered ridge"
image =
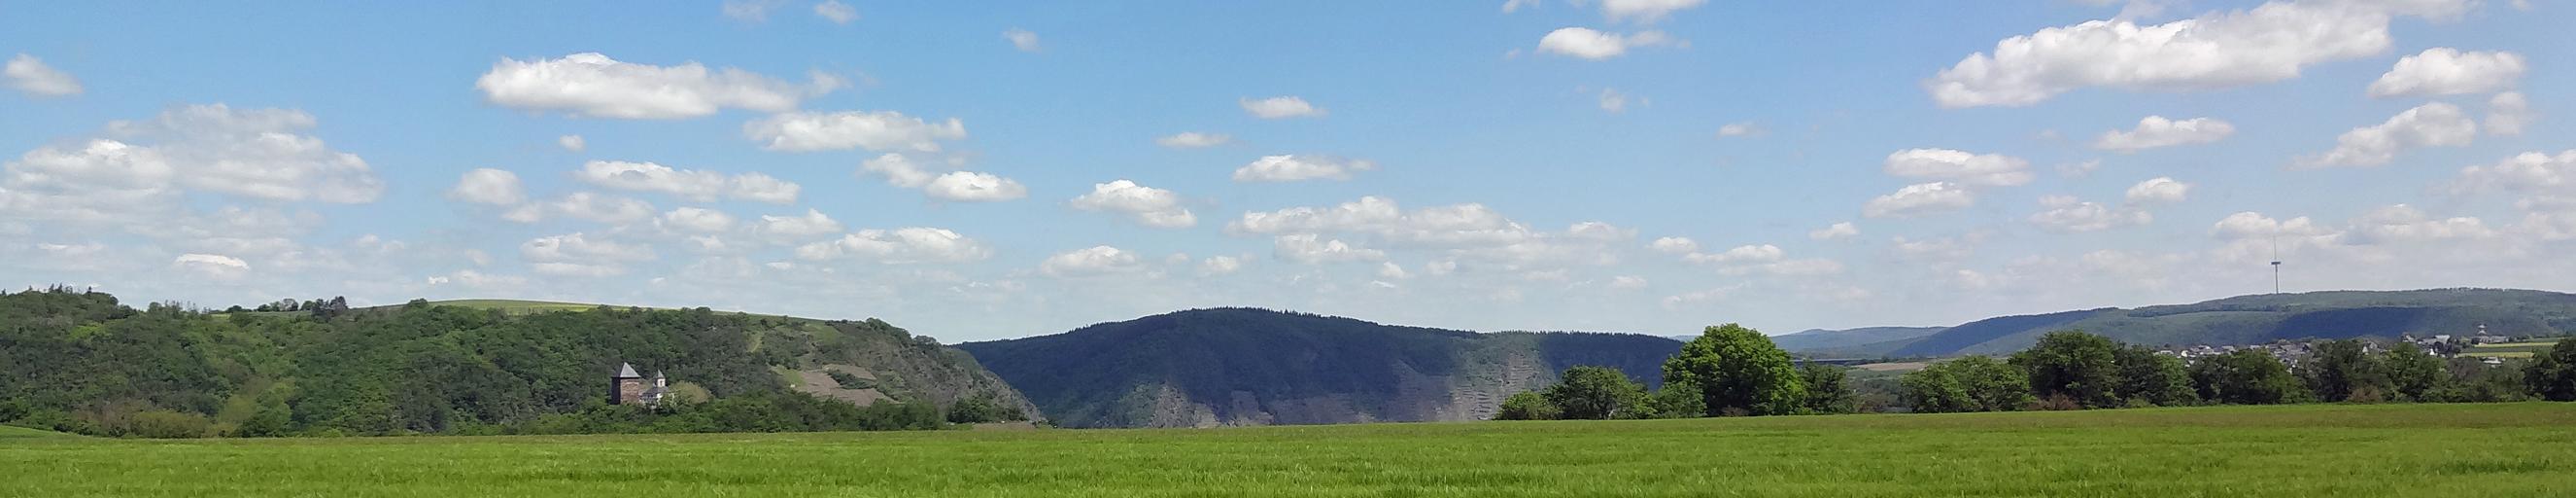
pixel 82 362
pixel 1237 366
pixel 2264 318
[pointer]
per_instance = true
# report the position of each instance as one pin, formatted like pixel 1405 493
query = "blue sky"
pixel 1628 165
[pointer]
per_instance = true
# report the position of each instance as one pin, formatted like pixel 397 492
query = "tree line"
pixel 1731 370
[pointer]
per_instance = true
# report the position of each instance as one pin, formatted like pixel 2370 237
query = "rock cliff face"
pixel 1221 367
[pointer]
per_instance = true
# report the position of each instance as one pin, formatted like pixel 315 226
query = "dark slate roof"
pixel 627 371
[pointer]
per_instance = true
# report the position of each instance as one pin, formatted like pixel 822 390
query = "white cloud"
pixel 699 220
pixel 1743 254
pixel 1613 101
pixel 2405 224
pixel 211 265
pixel 2268 43
pixel 30 75
pixel 2529 172
pixel 696 185
pixel 2066 214
pixel 1510 6
pixel 1293 167
pixel 2159 190
pixel 1281 107
pixel 1701 297
pixel 2079 169
pixel 2508 113
pixel 1022 39
pixel 1627 282
pixel 138 169
pixel 489 186
pixel 1194 140
pixel 1740 129
pixel 1391 271
pixel 580 270
pixel 1675 245
pixel 2430 125
pixel 2250 225
pixel 1590 44
pixel 2156 131
pixel 1644 11
pixel 1310 249
pixel 1841 230
pixel 969 186
pixel 593 85
pixel 1960 167
pixel 898 170
pixel 899 246
pixel 837 12
pixel 1149 206
pixel 1920 199
pixel 2448 71
pixel 572 143
pixel 578 247
pixel 1096 260
pixel 476 279
pixel 586 206
pixel 874 131
pixel 800 227
pixel 1220 265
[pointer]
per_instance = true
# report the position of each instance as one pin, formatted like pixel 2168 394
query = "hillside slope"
pixel 2270 317
pixel 82 359
pixel 1236 366
pixel 1822 341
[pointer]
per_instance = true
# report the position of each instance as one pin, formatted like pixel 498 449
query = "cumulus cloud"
pixel 875 131
pixel 30 75
pixel 1590 44
pixel 899 170
pixel 594 85
pixel 1295 167
pixel 1841 230
pixel 578 247
pixel 1311 248
pixel 2157 191
pixel 2067 214
pixel 800 227
pixel 2535 173
pixel 696 185
pixel 1095 260
pixel 211 265
pixel 1193 140
pixel 1740 129
pixel 2271 42
pixel 572 143
pixel 489 186
pixel 1022 39
pixel 697 220
pixel 1960 167
pixel 1644 11
pixel 837 12
pixel 1612 101
pixel 2448 71
pixel 1674 245
pixel 969 186
pixel 2508 113
pixel 2430 125
pixel 1281 107
pixel 1220 265
pixel 584 206
pixel 2251 225
pixel 1920 199
pixel 135 170
pixel 1763 253
pixel 913 245
pixel 2406 224
pixel 1149 206
pixel 2157 131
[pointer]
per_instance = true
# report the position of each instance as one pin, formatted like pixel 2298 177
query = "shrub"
pixel 165 424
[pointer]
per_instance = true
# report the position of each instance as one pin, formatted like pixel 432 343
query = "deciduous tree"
pixel 1739 371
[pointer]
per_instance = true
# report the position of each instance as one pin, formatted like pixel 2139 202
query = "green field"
pixel 2526 449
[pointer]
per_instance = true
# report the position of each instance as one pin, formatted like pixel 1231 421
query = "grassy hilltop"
pixel 2521 449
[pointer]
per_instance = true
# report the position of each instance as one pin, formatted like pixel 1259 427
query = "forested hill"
pixel 2265 318
pixel 81 361
pixel 1236 366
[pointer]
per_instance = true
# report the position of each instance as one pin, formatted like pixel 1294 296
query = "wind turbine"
pixel 2276 264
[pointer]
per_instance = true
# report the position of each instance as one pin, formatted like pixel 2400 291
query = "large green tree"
pixel 2246 377
pixel 1597 393
pixel 1827 389
pixel 2075 365
pixel 2153 378
pixel 1973 383
pixel 1739 372
pixel 2552 374
pixel 1679 400
pixel 2344 370
pixel 1527 405
pixel 2414 375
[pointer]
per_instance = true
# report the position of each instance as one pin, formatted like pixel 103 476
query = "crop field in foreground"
pixel 2526 449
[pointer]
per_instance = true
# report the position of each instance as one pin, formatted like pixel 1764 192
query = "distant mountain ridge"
pixel 2265 318
pixel 1845 342
pixel 1240 366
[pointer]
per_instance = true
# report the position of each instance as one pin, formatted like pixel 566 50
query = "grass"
pixel 9 432
pixel 2318 450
